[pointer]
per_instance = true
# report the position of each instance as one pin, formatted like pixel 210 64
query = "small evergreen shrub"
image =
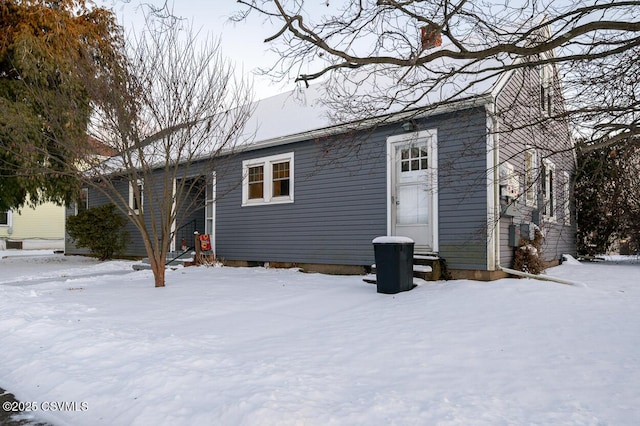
pixel 528 254
pixel 100 229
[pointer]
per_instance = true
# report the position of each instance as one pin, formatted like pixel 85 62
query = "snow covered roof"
pixel 306 112
pixel 369 99
pixel 293 112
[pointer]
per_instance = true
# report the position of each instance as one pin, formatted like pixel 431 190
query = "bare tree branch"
pixel 596 45
pixel 171 116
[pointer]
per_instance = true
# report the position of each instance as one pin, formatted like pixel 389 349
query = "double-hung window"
pixel 136 196
pixel 546 89
pixel 548 189
pixel 82 203
pixel 530 176
pixel 566 207
pixel 268 180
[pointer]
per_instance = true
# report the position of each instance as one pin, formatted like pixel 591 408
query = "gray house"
pixel 465 180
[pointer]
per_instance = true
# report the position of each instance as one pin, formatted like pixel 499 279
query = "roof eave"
pixel 386 119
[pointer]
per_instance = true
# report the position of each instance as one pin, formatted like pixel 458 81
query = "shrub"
pixel 100 229
pixel 528 254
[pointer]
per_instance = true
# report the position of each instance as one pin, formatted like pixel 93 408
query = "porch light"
pixel 409 126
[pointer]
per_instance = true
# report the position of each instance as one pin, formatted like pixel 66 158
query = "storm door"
pixel 413 189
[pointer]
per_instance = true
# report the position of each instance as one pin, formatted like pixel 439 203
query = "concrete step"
pixel 435 263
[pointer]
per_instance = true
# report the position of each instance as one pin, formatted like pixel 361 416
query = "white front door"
pixel 413 189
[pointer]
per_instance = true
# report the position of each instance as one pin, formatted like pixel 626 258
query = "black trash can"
pixel 394 264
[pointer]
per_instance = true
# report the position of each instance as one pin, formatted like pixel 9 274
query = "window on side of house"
pixel 548 189
pixel 268 180
pixel 83 201
pixel 136 197
pixel 281 179
pixel 530 176
pixel 256 182
pixel 546 90
pixel 5 217
pixel 567 198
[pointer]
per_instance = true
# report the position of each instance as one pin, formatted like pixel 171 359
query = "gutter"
pixel 540 277
pixel 390 118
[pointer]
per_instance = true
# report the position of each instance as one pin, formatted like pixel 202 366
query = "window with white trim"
pixel 567 198
pixel 6 218
pixel 548 189
pixel 83 201
pixel 546 89
pixel 136 197
pixel 268 180
pixel 530 176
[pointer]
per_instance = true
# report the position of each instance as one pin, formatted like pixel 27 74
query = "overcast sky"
pixel 243 42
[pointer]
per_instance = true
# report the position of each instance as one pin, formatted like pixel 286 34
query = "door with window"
pixel 413 189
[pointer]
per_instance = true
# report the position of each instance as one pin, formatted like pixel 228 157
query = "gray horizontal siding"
pixel 135 247
pixel 462 190
pixel 340 200
pixel 339 207
pixel 69 244
pixel 519 119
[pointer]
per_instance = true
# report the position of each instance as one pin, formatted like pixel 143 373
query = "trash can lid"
pixel 392 240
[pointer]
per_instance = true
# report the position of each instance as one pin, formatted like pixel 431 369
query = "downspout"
pixel 494 216
pixel 539 277
pixel 496 185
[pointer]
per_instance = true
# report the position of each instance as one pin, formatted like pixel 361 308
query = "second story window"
pixel 546 90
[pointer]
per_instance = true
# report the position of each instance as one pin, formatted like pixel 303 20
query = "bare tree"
pixel 423 53
pixel 175 110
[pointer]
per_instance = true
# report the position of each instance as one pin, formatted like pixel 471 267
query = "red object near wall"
pixel 205 242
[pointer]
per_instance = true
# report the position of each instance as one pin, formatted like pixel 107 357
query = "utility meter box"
pixel 514 235
pixel 528 230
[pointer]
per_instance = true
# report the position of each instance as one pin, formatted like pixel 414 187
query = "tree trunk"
pixel 158 268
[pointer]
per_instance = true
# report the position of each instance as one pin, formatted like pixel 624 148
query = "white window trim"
pixel 86 201
pixel 567 198
pixel 546 93
pixel 131 197
pixel 9 223
pixel 531 178
pixel 267 162
pixel 549 196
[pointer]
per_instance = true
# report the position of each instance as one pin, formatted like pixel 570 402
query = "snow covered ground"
pixel 255 346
